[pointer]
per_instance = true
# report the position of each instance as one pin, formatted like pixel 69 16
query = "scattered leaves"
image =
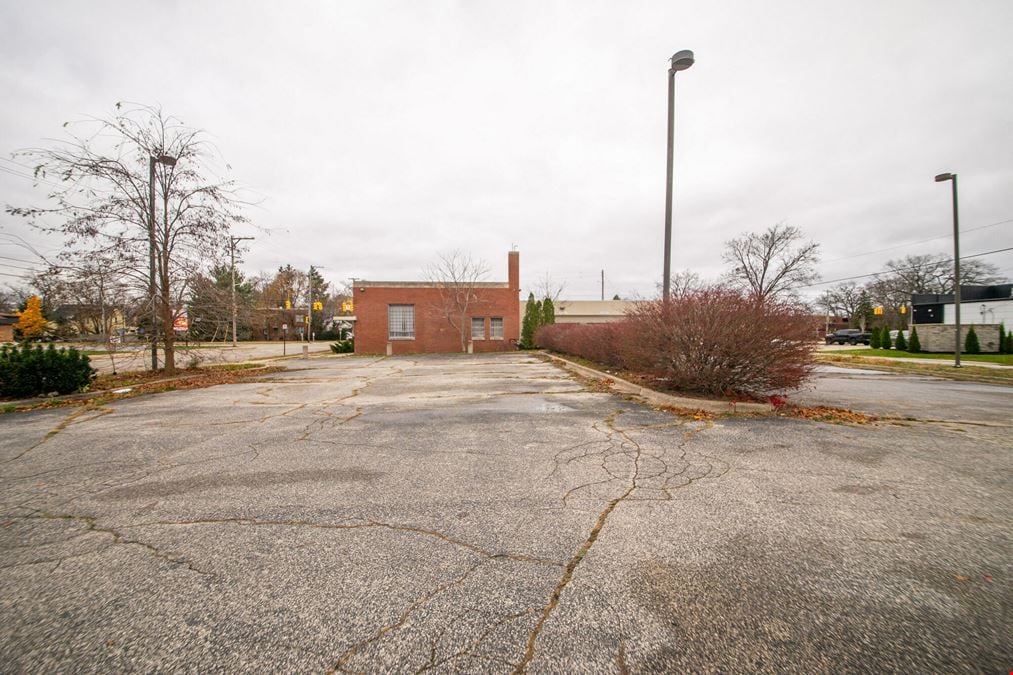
pixel 822 413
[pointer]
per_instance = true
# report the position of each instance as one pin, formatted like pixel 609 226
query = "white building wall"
pixel 996 311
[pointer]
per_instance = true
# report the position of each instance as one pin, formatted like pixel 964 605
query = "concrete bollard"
pixel 390 349
pixel 471 347
pixel 305 351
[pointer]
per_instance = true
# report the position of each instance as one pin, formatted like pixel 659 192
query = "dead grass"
pixel 964 373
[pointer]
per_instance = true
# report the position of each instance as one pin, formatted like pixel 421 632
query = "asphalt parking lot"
pixel 490 514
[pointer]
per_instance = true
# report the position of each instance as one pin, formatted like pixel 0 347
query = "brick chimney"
pixel 514 270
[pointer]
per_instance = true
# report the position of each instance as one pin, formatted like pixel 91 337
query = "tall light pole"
pixel 232 252
pixel 680 61
pixel 952 177
pixel 152 286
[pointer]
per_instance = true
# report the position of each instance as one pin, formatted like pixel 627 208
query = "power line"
pixel 915 243
pixel 899 269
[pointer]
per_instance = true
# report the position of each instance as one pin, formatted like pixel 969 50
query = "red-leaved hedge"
pixel 714 340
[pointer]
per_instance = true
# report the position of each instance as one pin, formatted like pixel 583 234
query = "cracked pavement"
pixel 490 514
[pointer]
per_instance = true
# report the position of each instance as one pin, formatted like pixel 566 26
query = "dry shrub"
pixel 714 340
pixel 598 342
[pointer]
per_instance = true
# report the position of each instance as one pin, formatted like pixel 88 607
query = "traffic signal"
pixel 878 311
pixel 288 304
pixel 903 309
pixel 318 305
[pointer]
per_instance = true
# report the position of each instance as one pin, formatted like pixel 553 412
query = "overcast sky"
pixel 377 134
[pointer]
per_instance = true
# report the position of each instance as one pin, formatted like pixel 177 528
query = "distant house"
pixel 7 322
pixel 592 311
pixel 406 317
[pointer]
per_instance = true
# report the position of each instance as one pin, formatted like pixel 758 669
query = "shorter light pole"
pixel 232 252
pixel 952 177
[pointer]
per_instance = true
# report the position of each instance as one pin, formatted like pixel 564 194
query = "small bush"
pixel 28 370
pixel 901 344
pixel 874 339
pixel 343 347
pixel 971 344
pixel 914 345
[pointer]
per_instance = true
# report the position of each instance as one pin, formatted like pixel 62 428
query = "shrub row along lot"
pixel 488 513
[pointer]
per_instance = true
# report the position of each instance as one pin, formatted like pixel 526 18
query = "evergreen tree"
pixel 536 322
pixel 528 324
pixel 884 338
pixel 31 323
pixel 914 345
pixel 1009 342
pixel 901 345
pixel 874 339
pixel 1002 338
pixel 548 312
pixel 971 344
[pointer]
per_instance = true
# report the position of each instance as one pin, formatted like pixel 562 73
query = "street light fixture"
pixel 232 252
pixel 942 178
pixel 680 61
pixel 167 161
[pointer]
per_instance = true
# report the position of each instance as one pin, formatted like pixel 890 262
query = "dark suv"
pixel 849 336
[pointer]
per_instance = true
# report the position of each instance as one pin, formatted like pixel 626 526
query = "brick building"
pixel 408 317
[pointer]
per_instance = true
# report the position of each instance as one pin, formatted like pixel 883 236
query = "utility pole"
pixel 232 252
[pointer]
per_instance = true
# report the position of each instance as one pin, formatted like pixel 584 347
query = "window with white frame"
pixel 496 328
pixel 401 322
pixel 478 328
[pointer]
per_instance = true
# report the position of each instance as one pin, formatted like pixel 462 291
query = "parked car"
pixel 849 336
pixel 894 333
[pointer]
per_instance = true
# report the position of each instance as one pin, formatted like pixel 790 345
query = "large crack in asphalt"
pixel 367 524
pixel 631 448
pixel 118 538
pixel 78 416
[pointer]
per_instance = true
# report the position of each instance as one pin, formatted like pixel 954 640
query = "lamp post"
pixel 232 252
pixel 167 161
pixel 680 61
pixel 952 177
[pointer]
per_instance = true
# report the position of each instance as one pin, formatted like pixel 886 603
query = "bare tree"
pixel 848 300
pixel 103 203
pixel 548 288
pixel 771 263
pixel 681 283
pixel 458 276
pixel 933 273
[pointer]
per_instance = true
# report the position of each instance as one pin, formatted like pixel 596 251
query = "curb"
pixel 659 399
pixel 95 394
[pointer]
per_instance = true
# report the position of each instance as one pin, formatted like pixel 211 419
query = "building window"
pixel 496 327
pixel 401 322
pixel 478 328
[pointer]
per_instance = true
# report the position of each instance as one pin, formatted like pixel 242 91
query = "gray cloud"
pixel 378 134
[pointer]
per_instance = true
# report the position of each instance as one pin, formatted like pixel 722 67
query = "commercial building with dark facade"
pixel 407 317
